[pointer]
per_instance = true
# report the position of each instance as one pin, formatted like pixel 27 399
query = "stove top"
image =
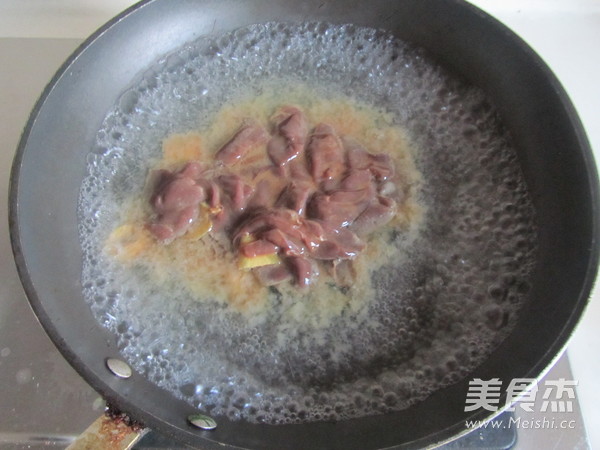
pixel 43 401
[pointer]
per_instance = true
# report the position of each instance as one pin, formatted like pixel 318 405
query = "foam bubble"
pixel 441 308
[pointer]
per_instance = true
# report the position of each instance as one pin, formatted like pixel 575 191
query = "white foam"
pixel 440 309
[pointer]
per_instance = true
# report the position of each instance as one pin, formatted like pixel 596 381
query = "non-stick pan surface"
pixel 552 148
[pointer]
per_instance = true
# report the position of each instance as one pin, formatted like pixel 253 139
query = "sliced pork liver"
pixel 176 201
pixel 235 190
pixel 338 244
pixel 325 154
pixel 303 270
pixel 338 209
pixel 295 196
pixel 290 138
pixel 308 198
pixel 273 274
pixel 380 165
pixel 377 214
pixel 288 245
pixel 258 248
pixel 250 135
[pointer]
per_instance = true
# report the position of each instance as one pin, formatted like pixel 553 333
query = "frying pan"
pixel 552 148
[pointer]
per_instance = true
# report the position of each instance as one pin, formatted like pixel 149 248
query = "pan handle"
pixel 109 432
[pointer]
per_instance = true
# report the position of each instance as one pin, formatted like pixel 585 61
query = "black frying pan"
pixel 552 147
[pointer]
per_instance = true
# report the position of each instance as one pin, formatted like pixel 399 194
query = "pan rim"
pixel 37 305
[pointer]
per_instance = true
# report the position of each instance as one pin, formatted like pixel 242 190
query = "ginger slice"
pixel 201 226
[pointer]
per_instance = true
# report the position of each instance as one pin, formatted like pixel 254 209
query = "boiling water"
pixel 446 298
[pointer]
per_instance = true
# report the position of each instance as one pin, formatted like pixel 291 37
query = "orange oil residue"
pixel 207 265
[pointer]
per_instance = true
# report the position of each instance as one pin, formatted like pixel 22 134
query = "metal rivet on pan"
pixel 118 367
pixel 202 421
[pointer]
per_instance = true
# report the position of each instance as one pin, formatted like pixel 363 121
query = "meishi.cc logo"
pixel 557 395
